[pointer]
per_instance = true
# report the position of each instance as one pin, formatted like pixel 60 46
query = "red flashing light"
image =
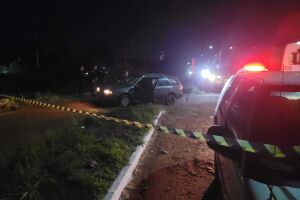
pixel 255 67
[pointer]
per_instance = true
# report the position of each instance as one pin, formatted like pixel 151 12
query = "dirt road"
pixel 173 167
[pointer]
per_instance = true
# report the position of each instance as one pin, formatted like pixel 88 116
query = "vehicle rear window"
pixel 277 116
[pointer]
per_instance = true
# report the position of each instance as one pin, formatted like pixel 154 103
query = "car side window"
pixel 147 82
pixel 154 82
pixel 163 82
pixel 240 111
pixel 227 96
pixel 245 97
pixel 141 82
pixel 173 81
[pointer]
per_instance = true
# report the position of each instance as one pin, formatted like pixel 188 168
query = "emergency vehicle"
pixel 263 107
pixel 291 57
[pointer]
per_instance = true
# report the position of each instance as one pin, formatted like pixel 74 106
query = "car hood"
pixel 117 86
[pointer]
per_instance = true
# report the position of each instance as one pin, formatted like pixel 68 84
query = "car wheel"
pixel 170 100
pixel 124 100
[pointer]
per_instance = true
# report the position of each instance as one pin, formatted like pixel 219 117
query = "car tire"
pixel 170 100
pixel 124 100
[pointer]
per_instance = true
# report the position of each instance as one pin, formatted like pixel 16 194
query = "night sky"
pixel 180 28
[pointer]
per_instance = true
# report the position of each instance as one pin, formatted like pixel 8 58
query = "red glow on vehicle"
pixel 255 67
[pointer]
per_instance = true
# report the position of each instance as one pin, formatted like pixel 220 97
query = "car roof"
pixel 274 77
pixel 158 75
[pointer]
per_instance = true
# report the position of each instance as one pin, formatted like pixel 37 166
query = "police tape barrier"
pixel 63 108
pixel 229 142
pixel 235 143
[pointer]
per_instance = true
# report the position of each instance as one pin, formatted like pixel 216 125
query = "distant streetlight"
pixel 188 63
pixel 211 47
pixel 231 48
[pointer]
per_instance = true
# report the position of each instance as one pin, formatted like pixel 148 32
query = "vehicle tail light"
pixel 180 86
pixel 255 67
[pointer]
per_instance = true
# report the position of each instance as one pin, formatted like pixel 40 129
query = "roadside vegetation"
pixel 8 104
pixel 78 162
pixel 46 97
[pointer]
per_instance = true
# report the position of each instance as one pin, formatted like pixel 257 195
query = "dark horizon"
pixel 143 30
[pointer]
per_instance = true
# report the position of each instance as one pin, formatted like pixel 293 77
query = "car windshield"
pixel 131 80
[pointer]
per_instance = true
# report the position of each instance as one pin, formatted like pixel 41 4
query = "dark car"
pixel 262 108
pixel 145 88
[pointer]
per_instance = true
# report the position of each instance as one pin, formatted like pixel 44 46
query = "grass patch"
pixel 78 162
pixel 8 104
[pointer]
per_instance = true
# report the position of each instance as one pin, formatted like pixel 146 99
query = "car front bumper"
pixel 113 98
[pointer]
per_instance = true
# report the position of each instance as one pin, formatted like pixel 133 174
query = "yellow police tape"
pixel 98 116
pixel 247 146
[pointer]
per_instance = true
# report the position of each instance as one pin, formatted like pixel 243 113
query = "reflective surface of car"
pixel 146 88
pixel 263 108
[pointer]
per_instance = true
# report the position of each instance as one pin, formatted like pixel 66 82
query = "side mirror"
pixel 220 133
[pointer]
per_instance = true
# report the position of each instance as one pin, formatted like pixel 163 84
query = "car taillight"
pixel 180 87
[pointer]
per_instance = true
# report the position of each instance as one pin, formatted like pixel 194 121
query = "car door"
pixel 241 108
pixel 162 89
pixel 225 99
pixel 143 91
pixel 238 120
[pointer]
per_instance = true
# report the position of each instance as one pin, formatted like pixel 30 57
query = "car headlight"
pixel 107 92
pixel 212 77
pixel 205 73
pixel 98 89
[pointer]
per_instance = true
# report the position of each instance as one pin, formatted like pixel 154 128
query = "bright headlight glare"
pixel 98 89
pixel 212 77
pixel 107 92
pixel 205 73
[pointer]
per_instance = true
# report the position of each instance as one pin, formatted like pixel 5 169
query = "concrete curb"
pixel 124 177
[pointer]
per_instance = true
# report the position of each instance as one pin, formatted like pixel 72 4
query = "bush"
pixel 79 162
pixel 3 69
